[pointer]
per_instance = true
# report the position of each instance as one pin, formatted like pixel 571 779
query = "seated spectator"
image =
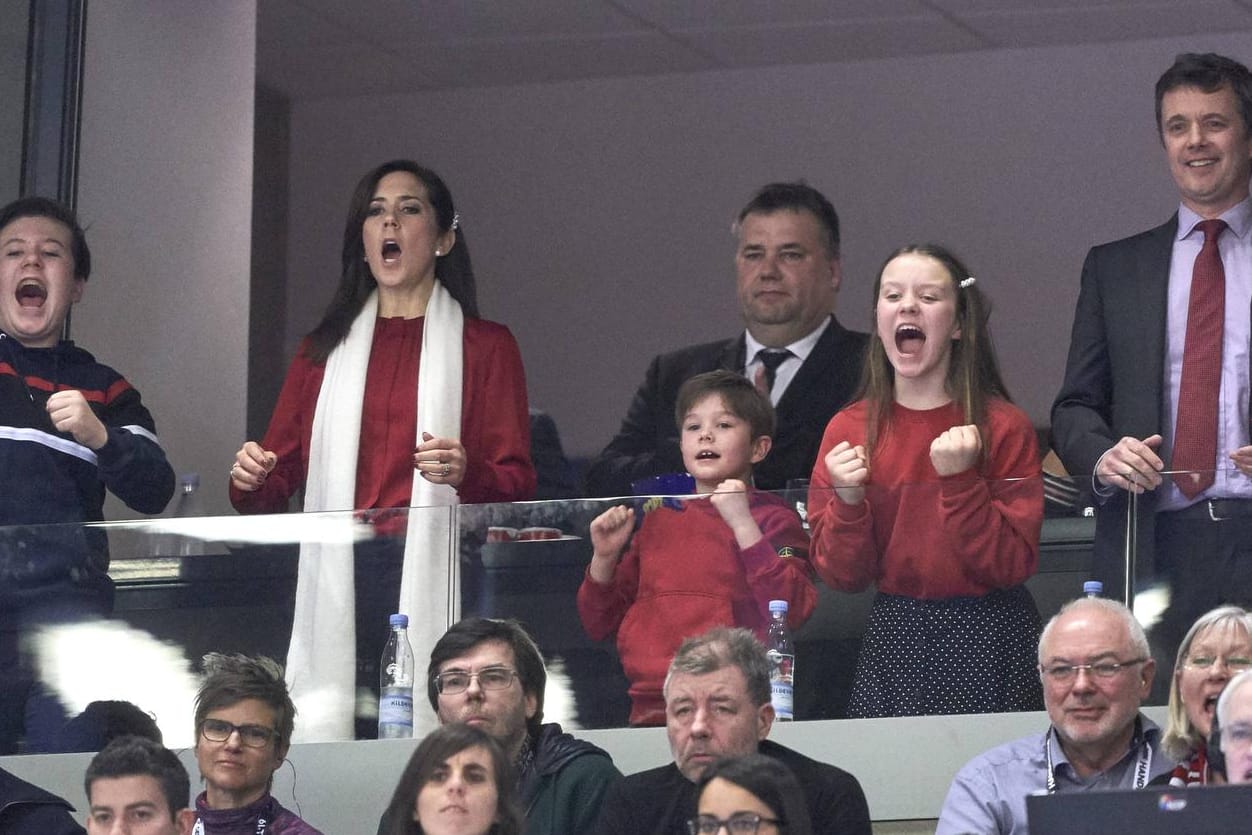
pixel 1234 715
pixel 244 720
pixel 555 479
pixel 753 793
pixel 695 564
pixel 717 704
pixel 1217 647
pixel 489 673
pixel 26 808
pixel 103 721
pixel 457 782
pixel 138 787
pixel 788 272
pixel 1096 671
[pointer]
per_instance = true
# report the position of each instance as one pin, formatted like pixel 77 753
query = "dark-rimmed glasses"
pixel 1065 673
pixel 741 823
pixel 489 678
pixel 253 736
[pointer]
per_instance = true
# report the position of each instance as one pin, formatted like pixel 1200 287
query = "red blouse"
pixel 495 422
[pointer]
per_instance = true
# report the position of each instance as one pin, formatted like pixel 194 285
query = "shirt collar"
pixel 1238 217
pixel 802 347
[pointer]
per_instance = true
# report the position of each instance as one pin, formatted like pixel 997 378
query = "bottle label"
pixel 395 713
pixel 781 674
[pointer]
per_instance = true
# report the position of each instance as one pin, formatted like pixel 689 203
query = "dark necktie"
pixel 1195 435
pixel 770 359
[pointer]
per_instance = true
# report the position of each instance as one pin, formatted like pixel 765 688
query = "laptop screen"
pixel 1157 810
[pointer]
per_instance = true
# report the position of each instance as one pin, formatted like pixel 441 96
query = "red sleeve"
pixel 777 566
pixel 291 425
pixel 601 606
pixel 992 524
pixel 495 420
pixel 845 553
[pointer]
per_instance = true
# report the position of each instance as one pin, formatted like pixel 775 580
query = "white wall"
pixel 165 193
pixel 598 212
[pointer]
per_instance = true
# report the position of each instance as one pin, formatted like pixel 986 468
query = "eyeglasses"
pixel 253 736
pixel 743 823
pixel 1065 673
pixel 1235 664
pixel 458 681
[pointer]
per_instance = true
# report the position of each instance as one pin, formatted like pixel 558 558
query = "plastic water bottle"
pixel 186 506
pixel 782 662
pixel 1093 588
pixel 395 699
pixel 189 506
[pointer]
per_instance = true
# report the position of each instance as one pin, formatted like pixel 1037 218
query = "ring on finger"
pixel 447 468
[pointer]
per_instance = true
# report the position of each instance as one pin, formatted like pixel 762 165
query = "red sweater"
pixel 682 574
pixel 495 423
pixel 919 535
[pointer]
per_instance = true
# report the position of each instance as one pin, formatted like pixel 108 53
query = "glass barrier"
pixel 185 587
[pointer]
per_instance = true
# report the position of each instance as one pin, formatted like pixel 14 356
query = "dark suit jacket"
pixel 660 801
pixel 647 443
pixel 1113 378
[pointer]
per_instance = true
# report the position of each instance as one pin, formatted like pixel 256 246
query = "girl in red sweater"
pixel 929 486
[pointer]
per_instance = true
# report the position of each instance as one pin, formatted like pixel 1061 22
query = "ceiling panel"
pixel 704 13
pixel 1100 23
pixel 831 43
pixel 536 60
pixel 323 48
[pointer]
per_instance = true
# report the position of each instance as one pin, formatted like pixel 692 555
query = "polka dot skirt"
pixel 960 655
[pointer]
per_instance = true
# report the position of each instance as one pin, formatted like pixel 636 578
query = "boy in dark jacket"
pixel 70 429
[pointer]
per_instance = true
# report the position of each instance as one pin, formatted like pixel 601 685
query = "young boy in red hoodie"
pixel 713 560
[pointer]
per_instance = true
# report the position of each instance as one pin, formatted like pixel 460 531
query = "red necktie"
pixel 1195 435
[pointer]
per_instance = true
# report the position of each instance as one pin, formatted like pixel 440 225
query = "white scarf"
pixel 321 661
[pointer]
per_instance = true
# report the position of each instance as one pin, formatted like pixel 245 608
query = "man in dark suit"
pixel 1125 414
pixel 788 271
pixel 717 704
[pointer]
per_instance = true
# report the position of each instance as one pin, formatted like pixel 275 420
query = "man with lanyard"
pixel 1096 671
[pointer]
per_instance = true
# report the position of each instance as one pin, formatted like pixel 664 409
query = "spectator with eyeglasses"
pixel 244 720
pixel 489 674
pixel 1234 716
pixel 752 795
pixel 1216 649
pixel 1096 671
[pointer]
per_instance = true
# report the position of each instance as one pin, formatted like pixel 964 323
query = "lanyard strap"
pixel 1143 767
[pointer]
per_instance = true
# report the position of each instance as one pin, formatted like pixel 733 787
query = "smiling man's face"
pixel 1208 148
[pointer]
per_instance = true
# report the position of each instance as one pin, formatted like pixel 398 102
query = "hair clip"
pixel 966 283
pixel 456 220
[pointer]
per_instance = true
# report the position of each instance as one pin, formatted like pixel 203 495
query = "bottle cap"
pixel 1093 588
pixel 778 606
pixel 399 620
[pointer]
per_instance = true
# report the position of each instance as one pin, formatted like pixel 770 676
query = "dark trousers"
pixel 1206 564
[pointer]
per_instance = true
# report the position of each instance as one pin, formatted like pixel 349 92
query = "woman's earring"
pixel 438 253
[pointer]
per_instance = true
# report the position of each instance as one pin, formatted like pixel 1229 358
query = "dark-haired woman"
pixel 456 783
pixel 750 794
pixel 400 397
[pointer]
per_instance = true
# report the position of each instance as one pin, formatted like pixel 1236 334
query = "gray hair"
pixel 1223 701
pixel 1138 640
pixel 723 647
